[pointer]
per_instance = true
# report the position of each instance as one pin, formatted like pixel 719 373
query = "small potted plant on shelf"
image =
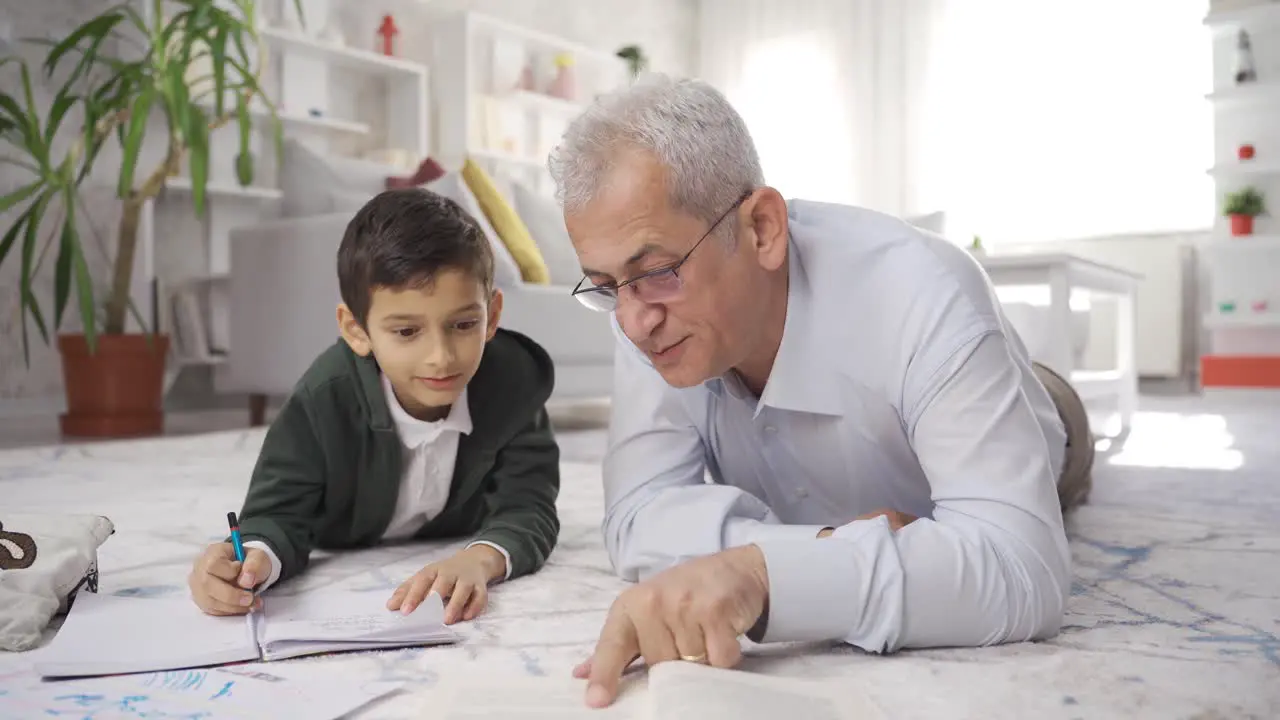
pixel 637 61
pixel 1241 207
pixel 185 77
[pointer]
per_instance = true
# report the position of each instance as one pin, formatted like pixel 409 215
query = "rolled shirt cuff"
pixel 844 587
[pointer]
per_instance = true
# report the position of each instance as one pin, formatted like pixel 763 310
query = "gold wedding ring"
pixel 694 658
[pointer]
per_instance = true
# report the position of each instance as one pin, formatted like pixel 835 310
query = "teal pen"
pixel 238 544
pixel 235 536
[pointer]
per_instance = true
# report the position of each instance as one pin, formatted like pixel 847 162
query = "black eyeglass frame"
pixel 673 268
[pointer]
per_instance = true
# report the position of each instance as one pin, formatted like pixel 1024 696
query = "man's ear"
pixel 356 337
pixel 764 217
pixel 495 314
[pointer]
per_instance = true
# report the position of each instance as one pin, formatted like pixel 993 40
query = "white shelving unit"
pixel 339 99
pixel 1242 318
pixel 486 112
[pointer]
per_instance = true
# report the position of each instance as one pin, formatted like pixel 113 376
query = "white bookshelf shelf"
pixel 496 105
pixel 222 189
pixel 340 55
pixel 1248 168
pixel 296 120
pixel 491 26
pixel 1249 92
pixel 1262 11
pixel 1247 243
pixel 1222 321
pixel 541 102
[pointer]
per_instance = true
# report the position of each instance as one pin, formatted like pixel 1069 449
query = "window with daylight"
pixel 1072 119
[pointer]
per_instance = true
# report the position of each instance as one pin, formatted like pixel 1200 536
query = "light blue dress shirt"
pixel 899 384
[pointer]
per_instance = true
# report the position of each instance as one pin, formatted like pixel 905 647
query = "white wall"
pixel 665 28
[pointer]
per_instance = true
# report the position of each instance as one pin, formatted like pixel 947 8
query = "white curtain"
pixel 1023 120
pixel 832 90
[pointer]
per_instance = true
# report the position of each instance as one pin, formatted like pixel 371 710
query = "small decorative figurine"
pixel 563 85
pixel 387 31
pixel 1245 71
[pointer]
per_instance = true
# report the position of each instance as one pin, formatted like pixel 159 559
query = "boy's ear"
pixel 357 339
pixel 495 314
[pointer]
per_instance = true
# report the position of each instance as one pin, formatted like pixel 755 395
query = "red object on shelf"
pixel 1252 371
pixel 1245 152
pixel 1241 224
pixel 387 31
pixel 1259 306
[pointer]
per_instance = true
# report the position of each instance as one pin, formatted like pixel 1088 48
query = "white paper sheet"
pixel 105 634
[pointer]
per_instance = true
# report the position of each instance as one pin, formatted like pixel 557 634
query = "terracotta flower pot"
pixel 1241 224
pixel 116 391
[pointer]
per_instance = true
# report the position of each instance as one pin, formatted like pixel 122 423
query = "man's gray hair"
pixel 687 125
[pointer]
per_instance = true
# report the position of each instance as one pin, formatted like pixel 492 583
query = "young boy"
pixel 424 421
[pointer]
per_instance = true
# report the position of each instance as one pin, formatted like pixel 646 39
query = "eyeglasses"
pixel 656 286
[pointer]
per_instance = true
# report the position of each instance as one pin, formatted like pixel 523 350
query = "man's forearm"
pixel 928 585
pixel 651 530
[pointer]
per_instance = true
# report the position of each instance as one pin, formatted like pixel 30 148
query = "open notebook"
pixel 109 635
pixel 672 691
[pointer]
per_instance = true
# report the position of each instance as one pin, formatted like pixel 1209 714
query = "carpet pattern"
pixel 1175 607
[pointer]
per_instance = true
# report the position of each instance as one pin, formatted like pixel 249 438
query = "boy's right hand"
pixel 220 586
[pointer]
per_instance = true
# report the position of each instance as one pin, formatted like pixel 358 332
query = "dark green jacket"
pixel 329 470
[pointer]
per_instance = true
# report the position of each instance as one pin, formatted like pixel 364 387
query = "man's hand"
pixel 221 586
pixel 462 579
pixel 897 521
pixel 695 611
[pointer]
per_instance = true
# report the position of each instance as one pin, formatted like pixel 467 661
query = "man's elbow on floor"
pixel 617 543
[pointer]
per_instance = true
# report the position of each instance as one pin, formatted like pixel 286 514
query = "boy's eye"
pixel 467 324
pixel 406 332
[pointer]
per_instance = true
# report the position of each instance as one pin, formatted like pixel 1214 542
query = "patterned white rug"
pixel 1175 610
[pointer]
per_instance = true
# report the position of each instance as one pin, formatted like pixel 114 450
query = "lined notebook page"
pixel 311 622
pixel 105 635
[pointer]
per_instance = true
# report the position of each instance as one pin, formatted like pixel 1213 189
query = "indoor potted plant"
pixel 637 61
pixel 194 72
pixel 1241 207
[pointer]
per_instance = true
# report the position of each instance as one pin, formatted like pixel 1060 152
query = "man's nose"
pixel 638 318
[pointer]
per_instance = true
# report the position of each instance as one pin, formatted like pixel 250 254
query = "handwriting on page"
pixel 355 624
pixel 226 693
pixel 163 696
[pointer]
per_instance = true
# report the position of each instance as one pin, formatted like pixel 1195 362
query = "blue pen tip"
pixel 231 520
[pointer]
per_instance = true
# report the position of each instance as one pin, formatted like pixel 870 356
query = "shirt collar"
pixel 803 376
pixel 414 432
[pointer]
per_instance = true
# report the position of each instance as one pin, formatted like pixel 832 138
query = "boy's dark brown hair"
pixel 403 238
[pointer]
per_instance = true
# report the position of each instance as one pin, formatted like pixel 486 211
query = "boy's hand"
pixel 462 579
pixel 220 586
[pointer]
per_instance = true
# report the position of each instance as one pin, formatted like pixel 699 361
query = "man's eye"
pixel 406 332
pixel 467 324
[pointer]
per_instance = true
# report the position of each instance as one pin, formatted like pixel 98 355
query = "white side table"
pixel 1062 273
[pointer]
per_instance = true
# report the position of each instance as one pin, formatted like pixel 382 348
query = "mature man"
pixel 838 372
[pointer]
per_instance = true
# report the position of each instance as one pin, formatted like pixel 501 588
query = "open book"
pixel 109 635
pixel 675 691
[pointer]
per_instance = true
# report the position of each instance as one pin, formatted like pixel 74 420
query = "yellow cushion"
pixel 507 223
